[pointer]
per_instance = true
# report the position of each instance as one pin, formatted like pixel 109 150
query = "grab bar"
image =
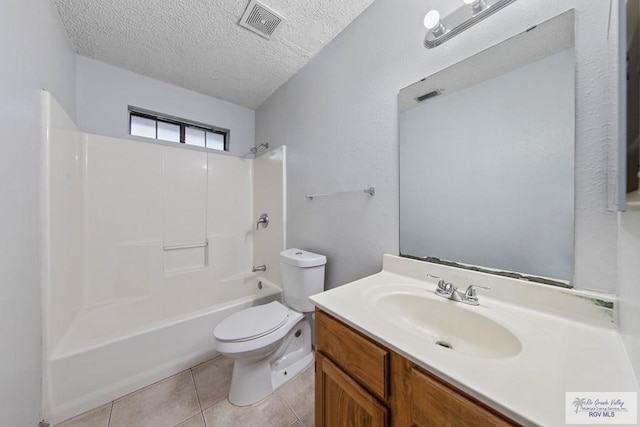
pixel 370 191
pixel 190 246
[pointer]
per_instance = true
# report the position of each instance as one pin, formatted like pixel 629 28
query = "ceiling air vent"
pixel 260 19
pixel 429 95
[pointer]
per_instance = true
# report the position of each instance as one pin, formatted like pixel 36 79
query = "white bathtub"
pixel 114 349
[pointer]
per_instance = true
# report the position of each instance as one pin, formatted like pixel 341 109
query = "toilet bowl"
pixel 271 343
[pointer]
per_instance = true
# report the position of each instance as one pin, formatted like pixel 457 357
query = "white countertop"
pixel 560 352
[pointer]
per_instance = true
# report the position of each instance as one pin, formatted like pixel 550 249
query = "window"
pixel 166 128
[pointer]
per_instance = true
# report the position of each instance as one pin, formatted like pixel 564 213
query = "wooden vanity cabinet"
pixel 360 383
pixel 352 377
pixel 341 401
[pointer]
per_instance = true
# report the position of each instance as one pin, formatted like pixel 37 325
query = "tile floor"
pixel 197 397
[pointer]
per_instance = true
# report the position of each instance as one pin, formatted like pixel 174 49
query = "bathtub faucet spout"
pixel 259 268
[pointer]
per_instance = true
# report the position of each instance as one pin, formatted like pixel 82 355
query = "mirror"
pixel 487 159
pixel 631 70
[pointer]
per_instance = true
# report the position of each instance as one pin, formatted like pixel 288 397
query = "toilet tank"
pixel 302 276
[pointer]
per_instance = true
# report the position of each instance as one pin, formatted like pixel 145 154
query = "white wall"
pixel 36 54
pixel 629 292
pixel 105 92
pixel 338 117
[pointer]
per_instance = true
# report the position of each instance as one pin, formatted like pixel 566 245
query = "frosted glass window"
pixel 215 140
pixel 142 126
pixel 168 131
pixel 194 136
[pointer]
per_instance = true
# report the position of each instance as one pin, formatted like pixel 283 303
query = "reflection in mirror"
pixel 487 158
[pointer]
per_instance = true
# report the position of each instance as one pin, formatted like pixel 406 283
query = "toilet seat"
pixel 252 323
pixel 263 344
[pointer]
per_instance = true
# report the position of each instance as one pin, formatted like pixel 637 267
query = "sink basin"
pixel 449 325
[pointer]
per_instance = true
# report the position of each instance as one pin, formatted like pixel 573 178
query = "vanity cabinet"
pixel 341 401
pixel 352 377
pixel 363 384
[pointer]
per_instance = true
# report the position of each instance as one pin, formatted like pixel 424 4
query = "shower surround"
pixel 146 248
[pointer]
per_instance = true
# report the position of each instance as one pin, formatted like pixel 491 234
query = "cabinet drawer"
pixel 364 360
pixel 433 403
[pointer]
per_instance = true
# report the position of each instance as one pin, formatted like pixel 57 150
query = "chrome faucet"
pixel 447 290
pixel 259 268
pixel 264 220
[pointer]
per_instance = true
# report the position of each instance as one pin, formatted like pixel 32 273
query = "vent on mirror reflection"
pixel 429 95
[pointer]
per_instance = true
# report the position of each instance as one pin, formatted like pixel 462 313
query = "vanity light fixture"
pixel 469 14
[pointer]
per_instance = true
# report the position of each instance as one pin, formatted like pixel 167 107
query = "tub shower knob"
pixel 264 220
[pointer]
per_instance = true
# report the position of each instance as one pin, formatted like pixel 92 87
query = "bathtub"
pixel 113 349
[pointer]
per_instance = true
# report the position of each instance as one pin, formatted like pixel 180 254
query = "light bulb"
pixel 433 24
pixel 476 5
pixel 432 20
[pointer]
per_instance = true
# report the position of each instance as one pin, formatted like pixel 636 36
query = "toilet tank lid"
pixel 300 258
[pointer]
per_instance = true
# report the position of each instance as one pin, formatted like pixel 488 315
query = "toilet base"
pixel 281 377
pixel 253 381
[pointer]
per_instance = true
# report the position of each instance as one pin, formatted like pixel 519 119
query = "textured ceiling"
pixel 198 45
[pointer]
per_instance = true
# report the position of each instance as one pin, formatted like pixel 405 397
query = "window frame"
pixel 183 124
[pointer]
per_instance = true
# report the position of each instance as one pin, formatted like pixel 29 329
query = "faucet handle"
pixel 471 295
pixel 441 282
pixel 443 288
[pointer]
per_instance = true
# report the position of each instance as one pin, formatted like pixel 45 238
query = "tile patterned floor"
pixel 197 397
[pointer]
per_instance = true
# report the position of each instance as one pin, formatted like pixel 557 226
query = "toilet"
pixel 271 343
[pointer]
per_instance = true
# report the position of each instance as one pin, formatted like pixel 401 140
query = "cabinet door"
pixel 340 401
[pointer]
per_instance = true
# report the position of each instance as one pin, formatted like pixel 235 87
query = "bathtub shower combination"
pixel 147 247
